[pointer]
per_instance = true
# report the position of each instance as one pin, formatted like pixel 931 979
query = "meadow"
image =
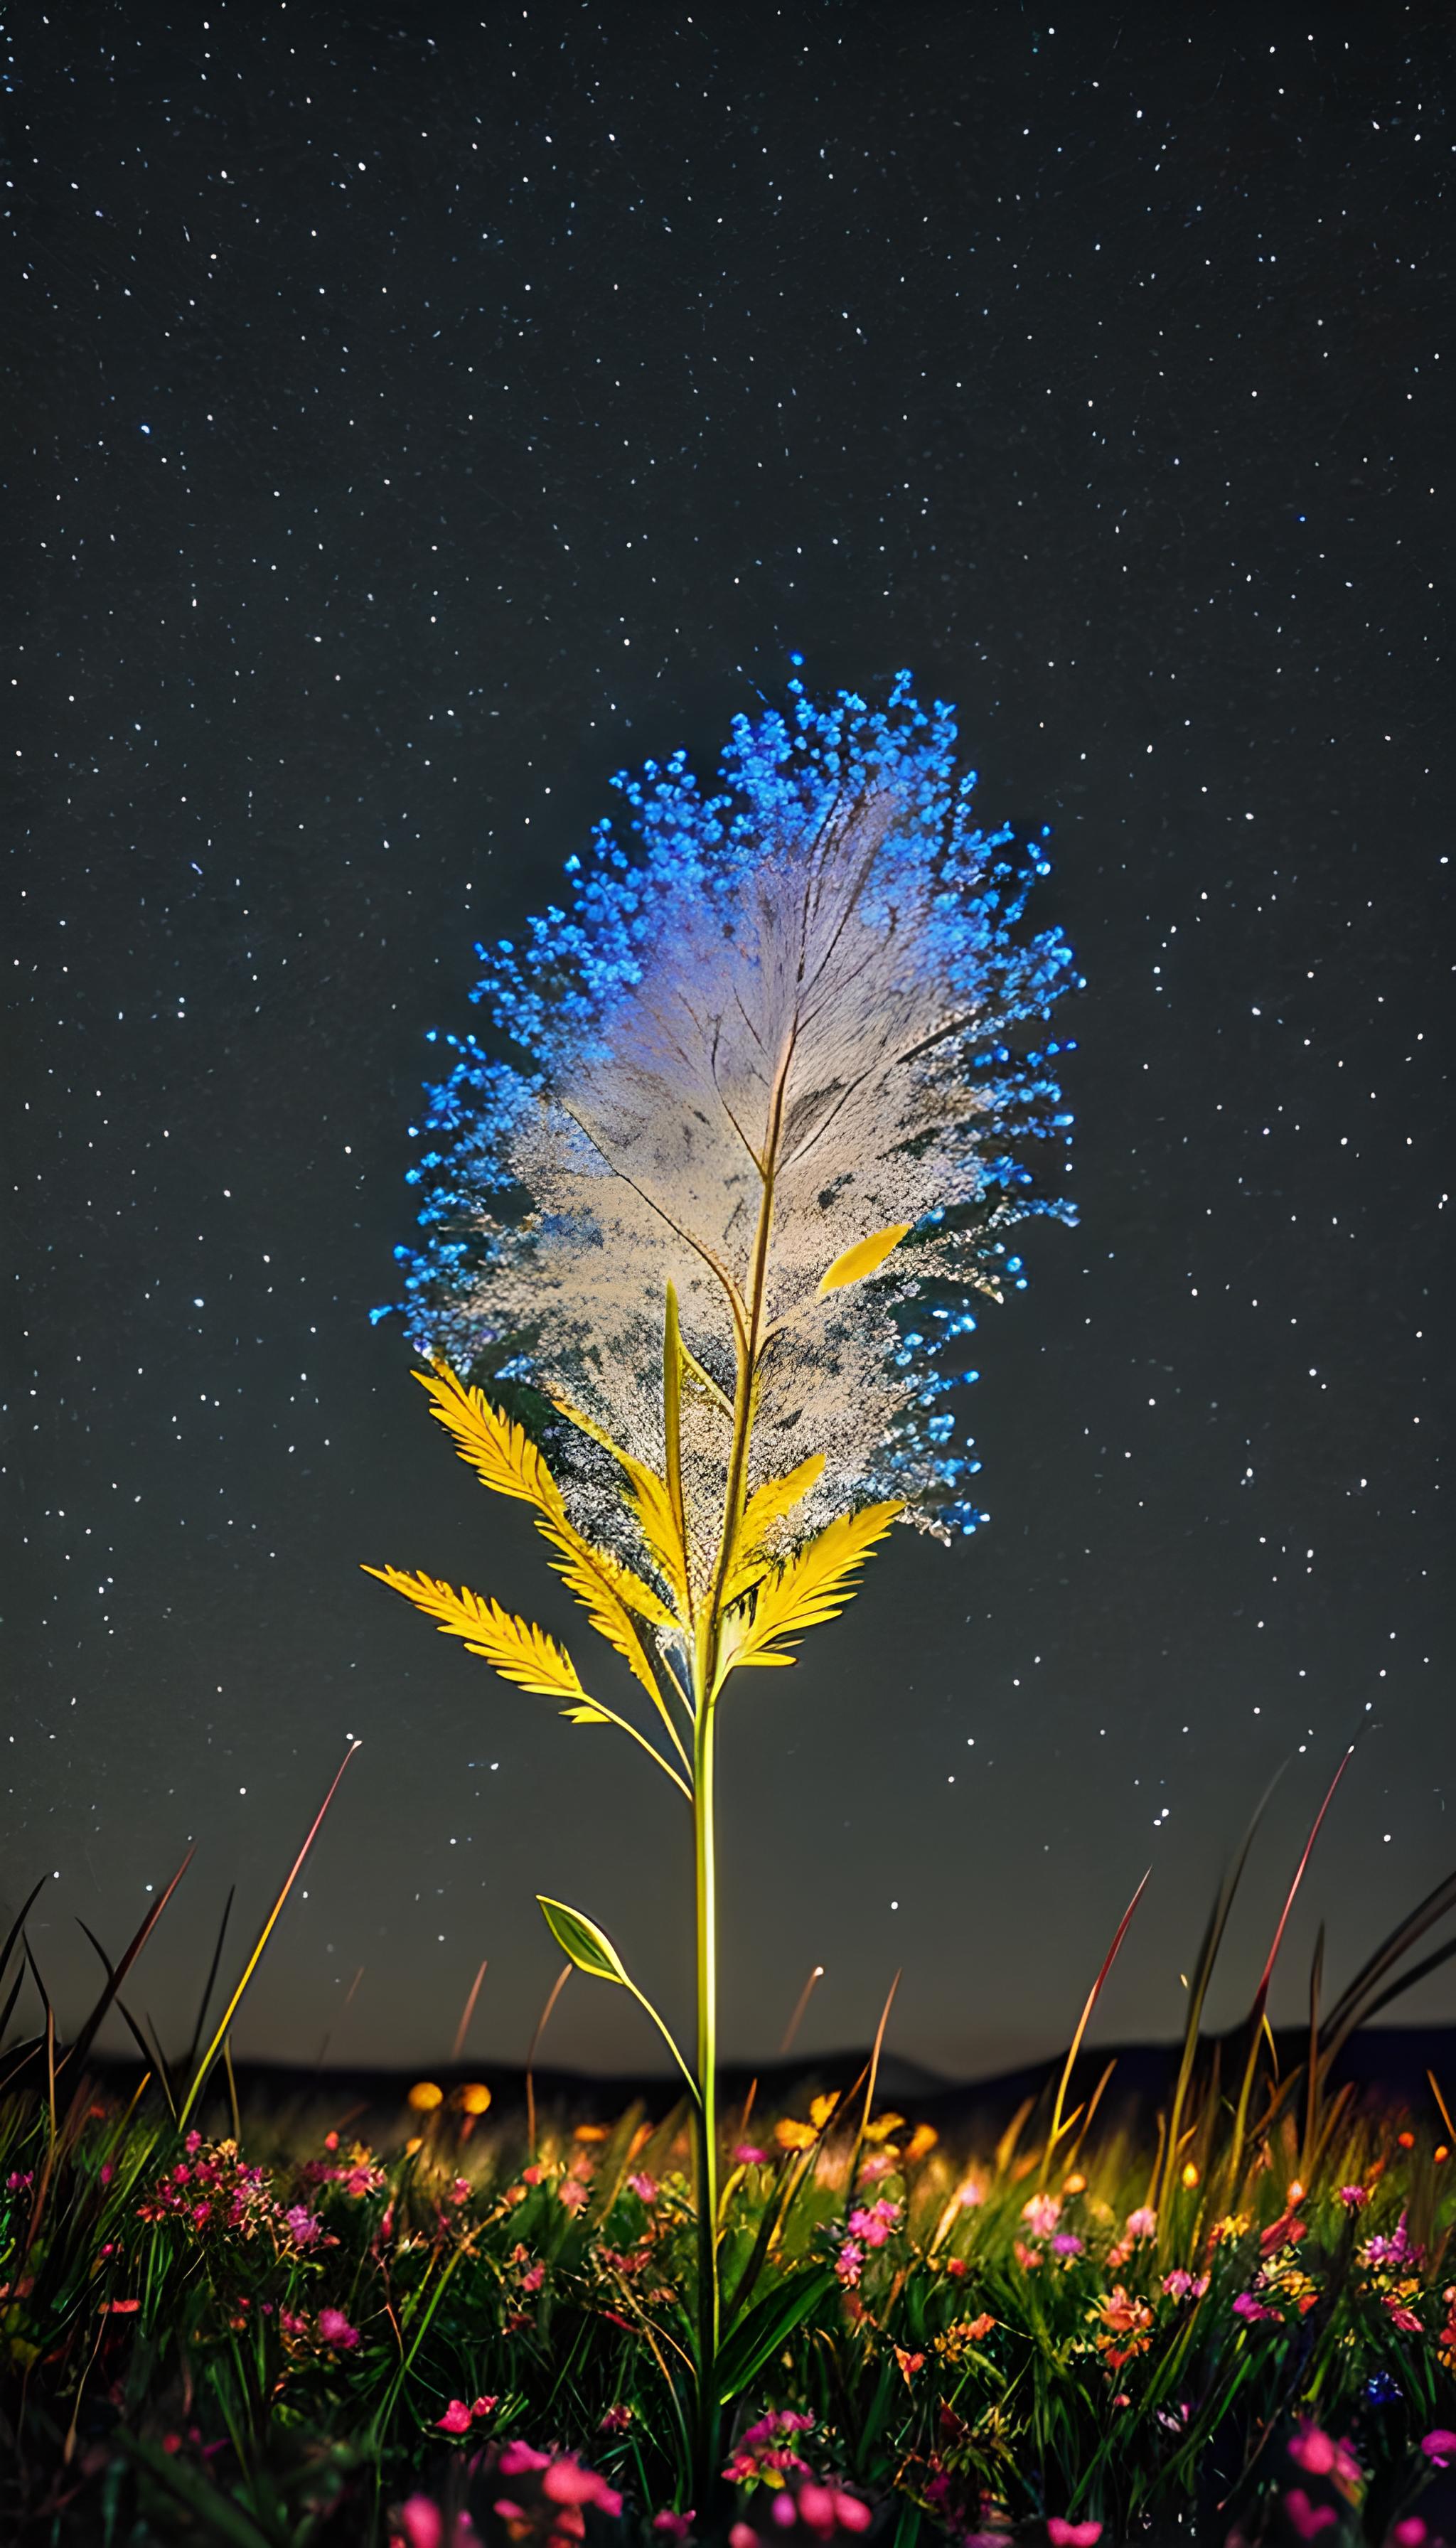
pixel 257 2330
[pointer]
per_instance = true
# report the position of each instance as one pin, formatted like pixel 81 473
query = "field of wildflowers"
pixel 476 2331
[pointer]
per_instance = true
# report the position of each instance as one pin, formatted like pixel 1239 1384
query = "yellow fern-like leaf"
pixel 499 1449
pixel 766 1504
pixel 813 1587
pixel 520 1650
pixel 649 1501
pixel 610 1593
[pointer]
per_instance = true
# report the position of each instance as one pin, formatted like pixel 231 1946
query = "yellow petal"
pixel 864 1258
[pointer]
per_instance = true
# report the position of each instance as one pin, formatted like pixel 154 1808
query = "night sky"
pixel 412 418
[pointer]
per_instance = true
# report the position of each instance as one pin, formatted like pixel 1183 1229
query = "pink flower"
pixel 1309 2519
pixel 302 2225
pixel 748 2154
pixel 1251 2311
pixel 485 2405
pixel 1072 2534
pixel 1441 2447
pixel 1319 2455
pixel 334 2328
pixel 823 2509
pixel 874 2225
pixel 1404 2318
pixel 743 2536
pixel 124 2309
pixel 1181 2284
pixel 571 2191
pixel 1411 2534
pixel 567 2482
pixel 1352 2196
pixel 533 2278
pixel 617 2418
pixel 847 2263
pixel 518 2460
pixel 421 2522
pixel 1041 2214
pixel 1142 2222
pixel 1064 2244
pixel 676 2526
pixel 645 2187
pixel 455 2420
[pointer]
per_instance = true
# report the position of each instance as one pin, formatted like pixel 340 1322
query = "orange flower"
pixel 922 2142
pixel 1123 2317
pixel 475 2099
pixel 590 2133
pixel 794 2136
pixel 424 2096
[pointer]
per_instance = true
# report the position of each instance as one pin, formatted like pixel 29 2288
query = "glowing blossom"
pixel 818 970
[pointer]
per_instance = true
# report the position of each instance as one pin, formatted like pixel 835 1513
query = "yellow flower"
pixel 794 2136
pixel 424 2096
pixel 1190 2176
pixel 474 2099
pixel 881 2127
pixel 820 2110
pixel 590 2133
pixel 922 2142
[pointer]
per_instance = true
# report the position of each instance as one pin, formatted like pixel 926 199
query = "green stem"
pixel 705 2113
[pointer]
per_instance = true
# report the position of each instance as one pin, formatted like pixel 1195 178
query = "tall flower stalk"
pixel 706 1214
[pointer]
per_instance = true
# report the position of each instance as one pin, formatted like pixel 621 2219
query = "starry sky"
pixel 415 416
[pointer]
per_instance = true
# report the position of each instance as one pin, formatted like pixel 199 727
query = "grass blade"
pixel 1108 1962
pixel 210 2054
pixel 87 2036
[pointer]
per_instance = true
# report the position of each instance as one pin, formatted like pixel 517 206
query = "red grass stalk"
pixel 463 2029
pixel 1258 2021
pixel 557 1988
pixel 250 1968
pixel 1094 1994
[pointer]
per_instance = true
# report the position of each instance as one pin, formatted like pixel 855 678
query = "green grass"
pixel 172 2368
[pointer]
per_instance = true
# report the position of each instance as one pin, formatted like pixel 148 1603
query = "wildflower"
pixel 571 2191
pixel 1180 2285
pixel 1041 2214
pixel 303 2226
pixel 424 2096
pixel 971 2194
pixel 794 2136
pixel 122 2308
pixel 1072 2534
pixel 1410 2533
pixel 1247 2307
pixel 1066 2244
pixel 674 2525
pixel 1402 2315
pixel 20 2180
pixel 645 2187
pixel 1352 2196
pixel 1126 2327
pixel 616 2419
pixel 1142 2222
pixel 956 2267
pixel 876 2223
pixel 423 2525
pixel 848 2263
pixel 748 2154
pixel 879 2163
pixel 766 2452
pixel 1029 2258
pixel 909 2363
pixel 1232 2226
pixel 1308 2518
pixel 1399 2248
pixel 921 2143
pixel 1439 2447
pixel 958 2338
pixel 474 2098
pixel 455 2420
pixel 335 2329
pixel 823 2509
pixel 1319 2455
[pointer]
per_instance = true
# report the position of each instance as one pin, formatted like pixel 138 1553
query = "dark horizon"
pixel 411 425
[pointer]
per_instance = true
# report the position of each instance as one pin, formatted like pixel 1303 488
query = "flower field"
pixel 461 2336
